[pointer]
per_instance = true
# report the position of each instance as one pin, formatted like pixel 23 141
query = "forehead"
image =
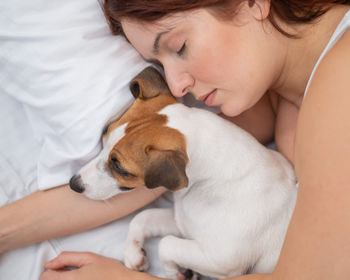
pixel 121 128
pixel 142 34
pixel 130 26
pixel 113 136
pixel 132 139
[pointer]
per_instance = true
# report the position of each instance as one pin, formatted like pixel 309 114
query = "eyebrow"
pixel 157 39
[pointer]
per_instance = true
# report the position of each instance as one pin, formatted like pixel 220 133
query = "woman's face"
pixel 226 64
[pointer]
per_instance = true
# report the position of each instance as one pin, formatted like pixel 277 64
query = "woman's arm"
pixel 60 211
pixel 91 266
pixel 317 245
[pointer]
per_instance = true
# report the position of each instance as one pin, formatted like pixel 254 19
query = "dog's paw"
pixel 135 258
pixel 187 274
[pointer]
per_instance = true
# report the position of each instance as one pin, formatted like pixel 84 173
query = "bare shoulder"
pixel 318 238
pixel 323 133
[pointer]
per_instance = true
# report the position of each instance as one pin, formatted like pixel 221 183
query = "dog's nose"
pixel 76 184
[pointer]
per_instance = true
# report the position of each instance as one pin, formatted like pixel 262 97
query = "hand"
pixel 89 267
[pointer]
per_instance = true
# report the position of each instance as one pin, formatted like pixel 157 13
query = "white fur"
pixel 97 181
pixel 233 216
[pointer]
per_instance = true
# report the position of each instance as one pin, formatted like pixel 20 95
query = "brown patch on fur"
pixel 152 152
pixel 149 145
pixel 148 84
pixel 152 94
pixel 167 169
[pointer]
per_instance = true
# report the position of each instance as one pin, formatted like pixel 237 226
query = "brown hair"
pixel 289 11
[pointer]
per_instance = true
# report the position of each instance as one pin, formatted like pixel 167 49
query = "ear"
pixel 260 8
pixel 166 169
pixel 148 84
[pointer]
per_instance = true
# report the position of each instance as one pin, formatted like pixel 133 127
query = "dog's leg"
pixel 176 253
pixel 148 223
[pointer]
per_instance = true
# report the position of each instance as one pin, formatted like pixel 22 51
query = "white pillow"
pixel 59 59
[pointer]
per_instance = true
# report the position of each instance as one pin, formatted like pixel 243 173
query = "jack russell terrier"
pixel 233 197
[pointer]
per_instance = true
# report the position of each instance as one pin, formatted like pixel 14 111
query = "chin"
pixel 230 111
pixel 233 108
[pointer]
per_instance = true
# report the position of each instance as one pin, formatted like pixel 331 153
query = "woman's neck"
pixel 302 54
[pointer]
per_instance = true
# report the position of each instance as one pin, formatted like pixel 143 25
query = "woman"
pixel 255 60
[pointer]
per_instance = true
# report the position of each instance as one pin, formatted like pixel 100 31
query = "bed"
pixel 62 77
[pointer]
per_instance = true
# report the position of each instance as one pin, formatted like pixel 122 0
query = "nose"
pixel 76 184
pixel 179 82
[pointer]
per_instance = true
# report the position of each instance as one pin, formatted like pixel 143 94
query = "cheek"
pixel 100 186
pixel 242 98
pixel 219 68
pixel 131 183
pixel 206 66
pixel 232 105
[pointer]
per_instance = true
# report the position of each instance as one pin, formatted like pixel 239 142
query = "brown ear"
pixel 166 169
pixel 148 84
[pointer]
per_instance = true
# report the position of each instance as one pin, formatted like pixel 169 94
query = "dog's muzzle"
pixel 76 184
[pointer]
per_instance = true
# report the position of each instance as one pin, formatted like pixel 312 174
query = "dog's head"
pixel 138 149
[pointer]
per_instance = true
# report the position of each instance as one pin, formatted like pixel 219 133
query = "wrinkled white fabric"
pixel 59 60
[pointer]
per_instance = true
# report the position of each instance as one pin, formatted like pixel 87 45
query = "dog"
pixel 233 197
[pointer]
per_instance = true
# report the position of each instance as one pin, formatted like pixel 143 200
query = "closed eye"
pixel 181 51
pixel 115 166
pixel 125 189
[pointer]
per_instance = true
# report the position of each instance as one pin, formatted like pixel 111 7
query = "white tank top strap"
pixel 342 27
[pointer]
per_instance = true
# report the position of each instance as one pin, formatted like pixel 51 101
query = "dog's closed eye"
pixel 125 188
pixel 115 166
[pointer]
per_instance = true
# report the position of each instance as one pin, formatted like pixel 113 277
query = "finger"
pixel 69 259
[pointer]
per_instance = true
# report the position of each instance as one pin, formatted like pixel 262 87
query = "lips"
pixel 208 98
